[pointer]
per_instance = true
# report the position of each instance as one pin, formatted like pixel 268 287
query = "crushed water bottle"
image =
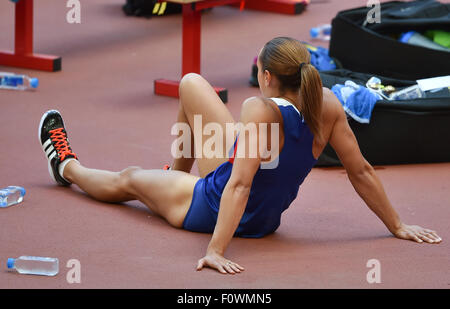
pixel 11 195
pixel 410 93
pixel 34 265
pixel 321 32
pixel 390 93
pixel 17 82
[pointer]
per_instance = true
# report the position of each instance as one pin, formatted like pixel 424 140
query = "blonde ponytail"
pixel 311 94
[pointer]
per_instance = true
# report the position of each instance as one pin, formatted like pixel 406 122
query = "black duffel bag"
pixel 374 47
pixel 399 132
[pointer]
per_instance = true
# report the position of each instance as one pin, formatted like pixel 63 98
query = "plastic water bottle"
pixel 11 195
pixel 34 265
pixel 17 82
pixel 415 38
pixel 321 32
pixel 412 92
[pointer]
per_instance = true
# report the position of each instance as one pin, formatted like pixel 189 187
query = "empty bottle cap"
pixel 34 82
pixel 10 263
pixel 314 32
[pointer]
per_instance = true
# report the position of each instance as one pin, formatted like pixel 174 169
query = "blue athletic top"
pixel 273 190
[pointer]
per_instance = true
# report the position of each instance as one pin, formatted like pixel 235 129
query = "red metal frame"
pixel 191 50
pixel 192 28
pixel 201 5
pixel 277 6
pixel 23 55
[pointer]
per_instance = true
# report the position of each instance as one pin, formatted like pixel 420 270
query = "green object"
pixel 440 37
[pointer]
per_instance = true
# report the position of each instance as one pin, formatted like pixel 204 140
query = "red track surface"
pixel 105 93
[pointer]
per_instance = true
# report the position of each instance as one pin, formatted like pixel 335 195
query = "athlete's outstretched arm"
pixel 367 184
pixel 236 192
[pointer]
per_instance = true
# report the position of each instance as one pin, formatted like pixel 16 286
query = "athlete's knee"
pixel 190 78
pixel 189 81
pixel 128 178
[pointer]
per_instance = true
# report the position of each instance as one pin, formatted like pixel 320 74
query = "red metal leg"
pixel 191 54
pixel 170 88
pixel 191 40
pixel 24 28
pixel 277 6
pixel 23 55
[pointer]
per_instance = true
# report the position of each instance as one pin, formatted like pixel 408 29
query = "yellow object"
pixel 159 8
pixel 156 8
pixel 163 8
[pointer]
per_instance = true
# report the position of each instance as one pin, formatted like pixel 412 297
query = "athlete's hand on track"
pixel 417 233
pixel 218 262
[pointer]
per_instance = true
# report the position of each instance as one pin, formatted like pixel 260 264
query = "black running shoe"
pixel 54 142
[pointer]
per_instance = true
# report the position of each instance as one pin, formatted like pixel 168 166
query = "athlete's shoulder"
pixel 331 107
pixel 257 109
pixel 255 102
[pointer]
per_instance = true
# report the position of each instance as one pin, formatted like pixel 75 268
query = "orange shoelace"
pixel 61 144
